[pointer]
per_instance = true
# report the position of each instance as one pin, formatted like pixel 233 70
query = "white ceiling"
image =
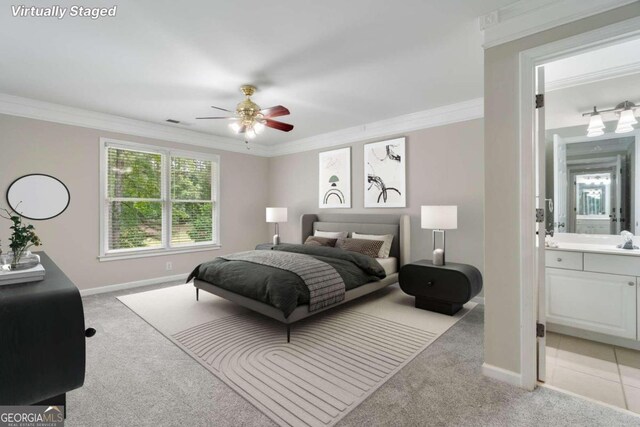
pixel 333 63
pixel 620 57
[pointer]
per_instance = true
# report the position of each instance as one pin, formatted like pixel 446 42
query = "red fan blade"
pixel 276 111
pixel 206 118
pixel 221 109
pixel 286 127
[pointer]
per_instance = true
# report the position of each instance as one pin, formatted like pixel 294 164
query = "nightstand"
pixel 441 288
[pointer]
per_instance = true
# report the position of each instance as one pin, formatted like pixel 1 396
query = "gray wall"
pixel 502 184
pixel 72 154
pixel 444 166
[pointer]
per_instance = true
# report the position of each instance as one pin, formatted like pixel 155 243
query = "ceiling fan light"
pixel 627 118
pixel 258 127
pixel 250 133
pixel 235 126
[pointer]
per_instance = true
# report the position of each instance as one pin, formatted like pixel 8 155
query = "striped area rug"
pixel 335 360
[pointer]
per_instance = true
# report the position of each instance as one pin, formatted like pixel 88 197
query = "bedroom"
pixel 91 102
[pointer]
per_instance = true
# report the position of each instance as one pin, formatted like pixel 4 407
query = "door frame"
pixel 528 61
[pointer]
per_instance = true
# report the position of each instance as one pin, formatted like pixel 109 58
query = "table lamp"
pixel 439 219
pixel 276 215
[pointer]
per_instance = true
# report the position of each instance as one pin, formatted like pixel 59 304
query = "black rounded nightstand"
pixel 441 288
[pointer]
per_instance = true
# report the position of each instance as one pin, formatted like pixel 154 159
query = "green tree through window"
pixel 138 204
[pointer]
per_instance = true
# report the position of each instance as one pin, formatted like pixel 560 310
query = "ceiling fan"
pixel 249 119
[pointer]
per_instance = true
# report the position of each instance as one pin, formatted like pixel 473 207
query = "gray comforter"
pixel 283 289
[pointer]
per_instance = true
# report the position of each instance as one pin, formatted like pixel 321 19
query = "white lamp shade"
pixel 624 128
pixel 235 126
pixel 595 132
pixel 276 214
pixel 595 123
pixel 439 217
pixel 258 127
pixel 627 118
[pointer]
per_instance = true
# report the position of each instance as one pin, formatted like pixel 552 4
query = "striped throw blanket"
pixel 326 286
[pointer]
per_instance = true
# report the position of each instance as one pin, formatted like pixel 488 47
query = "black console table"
pixel 441 288
pixel 42 339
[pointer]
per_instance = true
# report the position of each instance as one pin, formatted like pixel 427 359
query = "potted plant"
pixel 22 238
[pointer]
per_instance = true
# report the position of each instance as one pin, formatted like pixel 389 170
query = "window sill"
pixel 153 253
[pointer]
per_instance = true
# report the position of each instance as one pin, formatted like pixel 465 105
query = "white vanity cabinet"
pixel 593 292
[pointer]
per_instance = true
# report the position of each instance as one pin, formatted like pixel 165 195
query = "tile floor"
pixel 599 371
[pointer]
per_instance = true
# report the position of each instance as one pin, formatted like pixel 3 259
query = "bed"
pixel 397 225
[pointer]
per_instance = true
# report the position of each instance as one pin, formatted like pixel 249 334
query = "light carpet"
pixel 335 360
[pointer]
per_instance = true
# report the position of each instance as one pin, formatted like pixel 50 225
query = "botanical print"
pixel 384 174
pixel 335 178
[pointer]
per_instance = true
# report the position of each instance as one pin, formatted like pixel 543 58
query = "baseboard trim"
pixel 503 375
pixel 478 300
pixel 131 285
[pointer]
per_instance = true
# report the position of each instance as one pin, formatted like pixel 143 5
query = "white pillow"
pixel 331 234
pixel 386 238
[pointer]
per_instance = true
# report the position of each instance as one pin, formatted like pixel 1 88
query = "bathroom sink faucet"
pixel 548 233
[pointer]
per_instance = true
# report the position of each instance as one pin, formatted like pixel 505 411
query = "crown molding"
pixel 527 17
pixel 453 113
pixel 40 110
pixel 593 77
pixel 29 108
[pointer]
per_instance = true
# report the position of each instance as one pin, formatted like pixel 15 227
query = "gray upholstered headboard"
pixel 398 225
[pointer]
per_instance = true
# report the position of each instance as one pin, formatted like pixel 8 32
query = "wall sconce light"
pixel 625 111
pixel 596 126
pixel 627 118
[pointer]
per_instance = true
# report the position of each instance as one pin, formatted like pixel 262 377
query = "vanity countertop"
pixel 596 249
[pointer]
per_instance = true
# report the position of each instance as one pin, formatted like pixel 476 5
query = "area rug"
pixel 334 361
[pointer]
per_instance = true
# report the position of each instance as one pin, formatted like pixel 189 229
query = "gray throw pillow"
pixel 363 246
pixel 386 238
pixel 320 241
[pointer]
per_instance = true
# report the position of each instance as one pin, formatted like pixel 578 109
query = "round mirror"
pixel 38 196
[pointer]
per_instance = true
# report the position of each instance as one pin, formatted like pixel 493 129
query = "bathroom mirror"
pixel 592 184
pixel 38 196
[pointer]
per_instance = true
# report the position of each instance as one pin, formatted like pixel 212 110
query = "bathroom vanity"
pixel 592 292
pixel 593 194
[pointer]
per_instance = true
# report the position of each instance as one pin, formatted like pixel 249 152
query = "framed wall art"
pixel 385 174
pixel 335 178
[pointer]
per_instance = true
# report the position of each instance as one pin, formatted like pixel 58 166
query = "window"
pixel 156 200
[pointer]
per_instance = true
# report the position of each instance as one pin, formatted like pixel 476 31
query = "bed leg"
pixel 288 333
pixel 197 294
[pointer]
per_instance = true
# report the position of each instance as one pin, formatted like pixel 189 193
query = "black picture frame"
pixel 38 174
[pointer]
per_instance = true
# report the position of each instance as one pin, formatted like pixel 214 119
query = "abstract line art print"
pixel 385 174
pixel 335 178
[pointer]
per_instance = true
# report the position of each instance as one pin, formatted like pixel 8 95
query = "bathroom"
pixel 592 251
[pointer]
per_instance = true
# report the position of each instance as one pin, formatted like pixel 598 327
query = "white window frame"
pixel 167 248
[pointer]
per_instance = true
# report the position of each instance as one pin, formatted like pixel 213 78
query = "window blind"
pixel 134 208
pixel 158 200
pixel 192 201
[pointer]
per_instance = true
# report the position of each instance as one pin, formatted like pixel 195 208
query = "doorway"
pixel 585 287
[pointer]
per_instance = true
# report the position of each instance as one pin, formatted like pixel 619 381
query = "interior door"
pixel 541 223
pixel 560 185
